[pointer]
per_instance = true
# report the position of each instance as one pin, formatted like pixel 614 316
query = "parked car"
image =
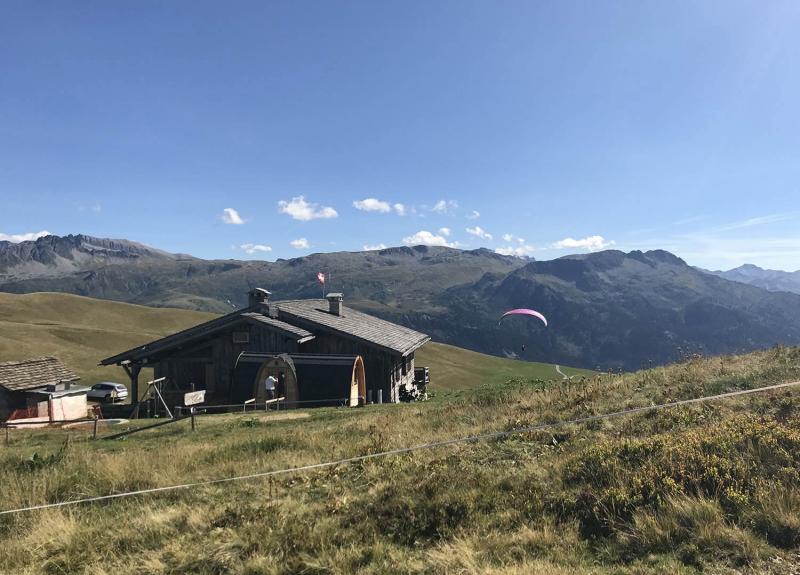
pixel 108 391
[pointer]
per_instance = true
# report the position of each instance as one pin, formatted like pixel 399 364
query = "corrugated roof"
pixel 353 324
pixel 34 373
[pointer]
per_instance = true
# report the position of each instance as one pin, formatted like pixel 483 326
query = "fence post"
pixel 94 429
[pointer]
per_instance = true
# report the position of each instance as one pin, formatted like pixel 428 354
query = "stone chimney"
pixel 335 303
pixel 256 296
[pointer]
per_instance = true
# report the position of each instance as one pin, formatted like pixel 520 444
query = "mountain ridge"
pixel 606 309
pixel 771 280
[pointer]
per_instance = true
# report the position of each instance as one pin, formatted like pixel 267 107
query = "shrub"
pixel 733 462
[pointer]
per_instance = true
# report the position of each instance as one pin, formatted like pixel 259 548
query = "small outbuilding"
pixel 40 389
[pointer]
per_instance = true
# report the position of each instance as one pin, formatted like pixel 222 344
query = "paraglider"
pixel 524 311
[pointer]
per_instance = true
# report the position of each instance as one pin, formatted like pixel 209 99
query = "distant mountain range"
pixel 606 309
pixel 772 280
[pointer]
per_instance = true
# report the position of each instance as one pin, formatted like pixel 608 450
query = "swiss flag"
pixel 321 277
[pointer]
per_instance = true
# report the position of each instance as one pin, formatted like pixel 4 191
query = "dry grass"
pixel 513 506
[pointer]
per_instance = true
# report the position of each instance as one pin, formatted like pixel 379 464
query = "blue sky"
pixel 553 127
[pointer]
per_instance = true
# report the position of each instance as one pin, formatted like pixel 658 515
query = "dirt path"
pixel 561 373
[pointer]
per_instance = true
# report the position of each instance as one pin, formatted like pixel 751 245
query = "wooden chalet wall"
pixel 209 363
pixel 383 370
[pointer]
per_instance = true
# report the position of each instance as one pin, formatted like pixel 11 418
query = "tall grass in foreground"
pixel 713 487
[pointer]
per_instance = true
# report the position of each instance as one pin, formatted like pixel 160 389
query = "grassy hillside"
pixel 712 488
pixel 457 368
pixel 81 331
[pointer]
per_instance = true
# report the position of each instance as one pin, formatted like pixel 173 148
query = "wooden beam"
pixel 133 373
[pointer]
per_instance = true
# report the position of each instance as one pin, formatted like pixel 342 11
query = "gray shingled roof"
pixel 298 332
pixel 34 373
pixel 299 319
pixel 352 324
pixel 204 329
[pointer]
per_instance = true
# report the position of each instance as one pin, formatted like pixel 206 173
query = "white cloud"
pixel 474 215
pixel 513 238
pixel 96 208
pixel 444 206
pixel 520 250
pixel 444 231
pixel 372 205
pixel 759 221
pixel 300 244
pixel 26 237
pixel 591 243
pixel 369 248
pixel 299 209
pixel 399 209
pixel 479 232
pixel 426 238
pixel 231 216
pixel 255 248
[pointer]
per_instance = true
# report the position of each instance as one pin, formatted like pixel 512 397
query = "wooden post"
pixel 133 369
pixel 192 412
pixel 94 429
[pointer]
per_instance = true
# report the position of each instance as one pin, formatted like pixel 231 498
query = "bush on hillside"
pixel 736 463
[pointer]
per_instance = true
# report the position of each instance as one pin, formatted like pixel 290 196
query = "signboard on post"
pixel 194 397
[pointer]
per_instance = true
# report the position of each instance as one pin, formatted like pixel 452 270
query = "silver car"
pixel 108 391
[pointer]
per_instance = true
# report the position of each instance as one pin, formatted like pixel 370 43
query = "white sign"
pixel 194 397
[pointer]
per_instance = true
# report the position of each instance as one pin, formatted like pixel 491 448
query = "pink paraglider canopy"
pixel 523 311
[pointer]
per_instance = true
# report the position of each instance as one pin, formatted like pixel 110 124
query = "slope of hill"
pixel 704 488
pixel 455 368
pixel 81 331
pixel 607 309
pixel 772 280
pixel 630 310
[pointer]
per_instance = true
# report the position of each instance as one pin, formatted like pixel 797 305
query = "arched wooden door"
pixel 358 386
pixel 284 372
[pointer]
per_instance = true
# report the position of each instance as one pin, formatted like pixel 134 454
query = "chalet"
pixel 205 356
pixel 40 389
